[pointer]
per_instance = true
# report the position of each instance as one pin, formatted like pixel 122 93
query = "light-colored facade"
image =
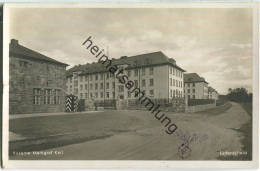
pixel 160 81
pixel 213 94
pixel 195 87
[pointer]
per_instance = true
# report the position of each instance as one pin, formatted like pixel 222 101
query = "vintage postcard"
pixel 131 85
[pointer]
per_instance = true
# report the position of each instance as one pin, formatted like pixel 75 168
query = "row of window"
pixel 191 97
pixel 110 75
pixel 190 84
pixel 46 96
pixel 189 90
pixel 175 72
pixel 107 94
pixel 175 93
pixel 101 85
pixel 175 83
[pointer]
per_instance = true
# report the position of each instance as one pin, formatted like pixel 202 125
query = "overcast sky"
pixel 215 43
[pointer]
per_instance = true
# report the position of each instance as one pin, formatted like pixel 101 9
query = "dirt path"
pixel 210 133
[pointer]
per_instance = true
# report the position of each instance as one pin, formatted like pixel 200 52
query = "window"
pixel 121 88
pixel 114 95
pixel 136 83
pixel 143 71
pixel 91 86
pixel 96 86
pixel 81 95
pixel 76 83
pixel 151 82
pixel 193 84
pixel 86 86
pixel 90 77
pixel 171 93
pixel 47 96
pixel 188 90
pixel 107 85
pixel 151 71
pixel 129 73
pixel 81 87
pixel 136 72
pixel 129 94
pixel 101 76
pixel 86 77
pixel 108 95
pixel 91 95
pixel 177 83
pixel 193 96
pixel 86 95
pixel 121 96
pixel 107 75
pixel 23 64
pixel 81 78
pixel 36 96
pixel 170 70
pixel 101 86
pixel 188 96
pixel 101 95
pixel 96 77
pixel 112 75
pixel 193 90
pixel 70 79
pixel 188 84
pixel 151 92
pixel 143 83
pixel 113 85
pixel 96 95
pixel 76 90
pixel 170 82
pixel 173 81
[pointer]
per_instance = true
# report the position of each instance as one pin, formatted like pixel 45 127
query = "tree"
pixel 239 95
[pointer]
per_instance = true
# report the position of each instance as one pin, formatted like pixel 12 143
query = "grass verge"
pixel 246 130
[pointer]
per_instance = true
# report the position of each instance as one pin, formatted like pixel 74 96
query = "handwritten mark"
pixel 184 150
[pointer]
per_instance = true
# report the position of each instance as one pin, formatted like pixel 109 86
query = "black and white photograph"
pixel 121 83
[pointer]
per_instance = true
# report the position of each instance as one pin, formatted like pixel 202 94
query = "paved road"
pixel 199 137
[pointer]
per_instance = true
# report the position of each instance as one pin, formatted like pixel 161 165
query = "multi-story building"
pixel 37 82
pixel 213 94
pixel 195 87
pixel 154 73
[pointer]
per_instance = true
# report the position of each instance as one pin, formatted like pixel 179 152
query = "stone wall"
pixel 25 75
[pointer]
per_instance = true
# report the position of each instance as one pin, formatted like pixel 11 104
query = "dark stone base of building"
pixel 26 109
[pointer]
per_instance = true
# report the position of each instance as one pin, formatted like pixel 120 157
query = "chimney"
pixel 14 42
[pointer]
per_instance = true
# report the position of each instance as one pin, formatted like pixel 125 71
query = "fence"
pixel 196 105
pixel 195 102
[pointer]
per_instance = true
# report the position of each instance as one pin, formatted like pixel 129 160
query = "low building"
pixel 37 82
pixel 157 75
pixel 195 87
pixel 213 94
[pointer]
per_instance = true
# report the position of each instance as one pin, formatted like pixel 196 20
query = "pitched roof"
pixel 15 49
pixel 193 77
pixel 210 89
pixel 149 59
